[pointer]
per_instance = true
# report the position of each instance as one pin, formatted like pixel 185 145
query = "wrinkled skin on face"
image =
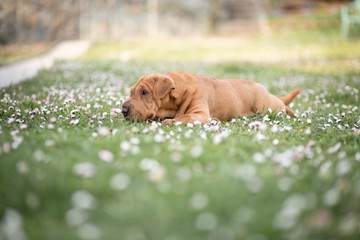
pixel 147 96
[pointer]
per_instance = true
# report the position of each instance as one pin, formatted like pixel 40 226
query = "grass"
pixel 73 168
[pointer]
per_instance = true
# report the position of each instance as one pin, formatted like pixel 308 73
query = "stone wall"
pixel 28 21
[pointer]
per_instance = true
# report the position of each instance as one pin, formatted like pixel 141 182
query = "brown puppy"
pixel 185 97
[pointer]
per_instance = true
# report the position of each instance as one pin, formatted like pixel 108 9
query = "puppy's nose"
pixel 125 111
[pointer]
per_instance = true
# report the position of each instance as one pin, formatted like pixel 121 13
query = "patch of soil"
pixel 11 53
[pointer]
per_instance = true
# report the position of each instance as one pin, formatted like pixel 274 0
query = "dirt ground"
pixel 13 52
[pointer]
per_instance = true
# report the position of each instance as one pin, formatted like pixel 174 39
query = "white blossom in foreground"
pixel 292 207
pixel 206 221
pixel 258 157
pixel 120 181
pixel 196 151
pixel 89 231
pixel 76 217
pixel 199 201
pixel 11 225
pixel 103 131
pixel 84 169
pixel 82 199
pixel 106 156
pixel 155 171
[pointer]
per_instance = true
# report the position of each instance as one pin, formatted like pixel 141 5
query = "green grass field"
pixel 72 168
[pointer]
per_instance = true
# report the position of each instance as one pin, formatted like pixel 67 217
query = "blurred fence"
pixel 27 21
pixel 119 19
pixel 24 21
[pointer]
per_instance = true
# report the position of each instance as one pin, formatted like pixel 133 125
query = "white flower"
pixel 84 169
pixel 74 122
pixel 39 155
pixel 199 201
pixel 196 151
pixel 291 210
pixel 120 181
pixel 156 175
pixel 348 224
pixel 106 155
pixel 12 225
pixel 148 164
pixel 103 131
pixel 135 141
pixel 177 123
pixel 259 137
pixel 89 231
pixel 135 150
pixel 258 157
pixel 263 127
pixel 324 168
pixel 10 120
pixel 266 118
pixel 73 113
pixel 244 171
pixel 254 124
pixel 287 128
pixel 254 184
pixel 188 133
pixel 331 197
pixel 206 221
pixel 184 174
pixel 274 129
pixel 343 167
pixel 334 148
pixel 176 157
pixel 82 199
pixel 49 143
pixel 217 139
pixel 155 171
pixel 159 138
pixel 357 156
pixel 22 167
pixel 284 183
pixel 125 146
pixel 76 217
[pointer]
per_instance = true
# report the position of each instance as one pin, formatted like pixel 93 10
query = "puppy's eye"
pixel 144 92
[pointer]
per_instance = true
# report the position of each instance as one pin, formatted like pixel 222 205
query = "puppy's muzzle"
pixel 125 110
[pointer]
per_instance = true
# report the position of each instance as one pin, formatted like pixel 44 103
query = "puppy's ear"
pixel 163 85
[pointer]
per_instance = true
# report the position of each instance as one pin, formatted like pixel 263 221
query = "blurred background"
pixel 32 26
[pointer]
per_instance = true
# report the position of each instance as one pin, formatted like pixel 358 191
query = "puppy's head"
pixel 146 96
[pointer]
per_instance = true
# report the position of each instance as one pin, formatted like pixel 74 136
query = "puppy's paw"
pixel 168 122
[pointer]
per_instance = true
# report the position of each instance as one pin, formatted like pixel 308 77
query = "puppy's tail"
pixel 290 97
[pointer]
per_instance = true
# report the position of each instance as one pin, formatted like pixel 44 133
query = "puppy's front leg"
pixel 188 118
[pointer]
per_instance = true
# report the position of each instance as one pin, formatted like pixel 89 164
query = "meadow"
pixel 71 167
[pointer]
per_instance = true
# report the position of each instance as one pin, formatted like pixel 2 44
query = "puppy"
pixel 185 97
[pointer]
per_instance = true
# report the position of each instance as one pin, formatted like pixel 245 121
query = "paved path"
pixel 26 69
